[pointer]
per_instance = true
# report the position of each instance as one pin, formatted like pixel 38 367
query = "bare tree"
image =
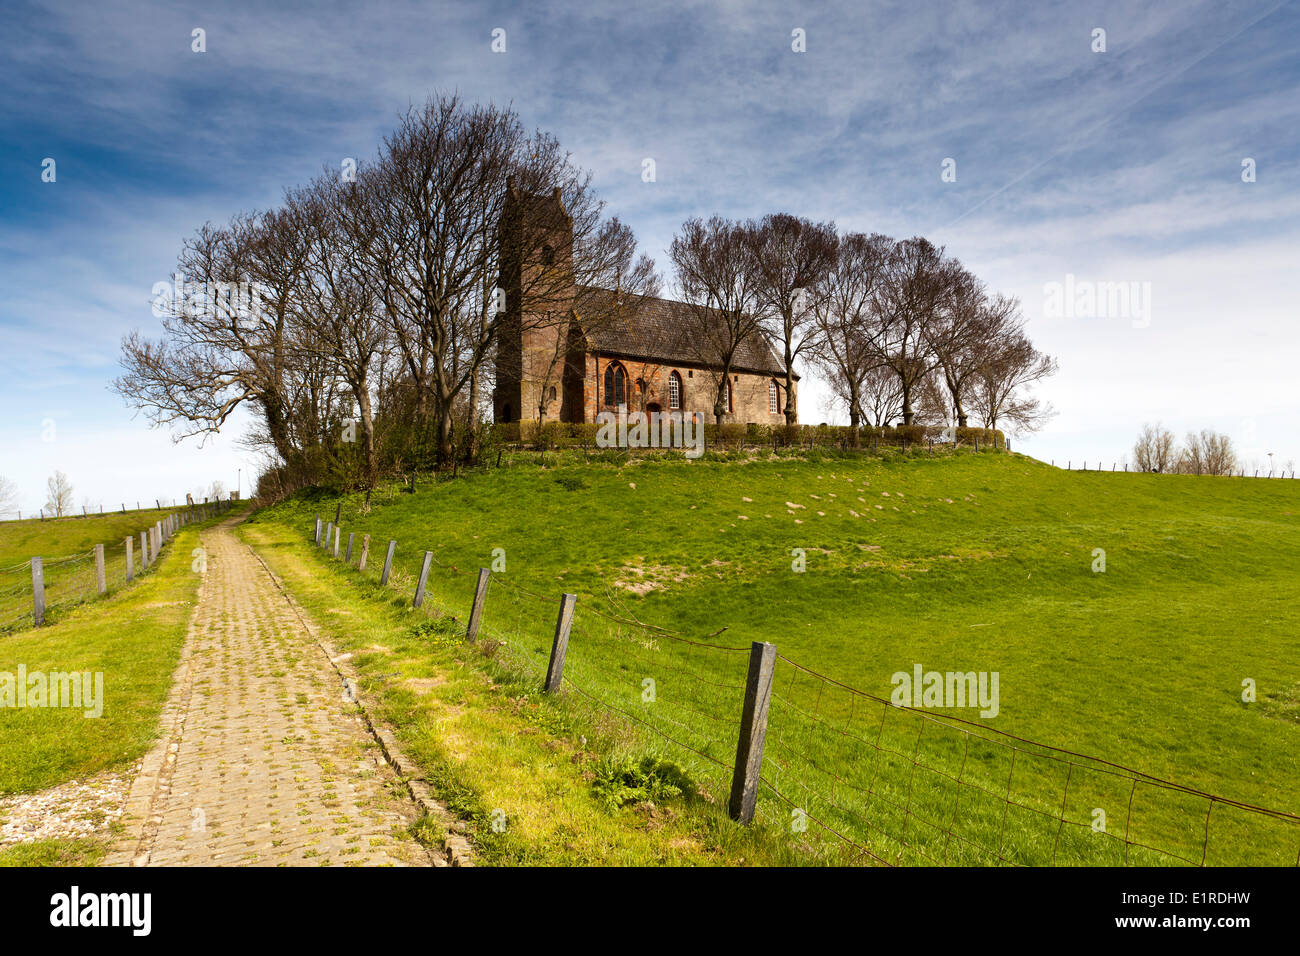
pixel 455 211
pixel 336 315
pixel 918 282
pixel 971 327
pixel 792 258
pixel 881 397
pixel 718 279
pixel 58 494
pixel 844 313
pixel 1010 367
pixel 8 495
pixel 1155 449
pixel 223 342
pixel 1209 453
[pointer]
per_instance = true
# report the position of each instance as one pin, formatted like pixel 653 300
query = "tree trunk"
pixel 791 412
pixel 367 437
pixel 471 416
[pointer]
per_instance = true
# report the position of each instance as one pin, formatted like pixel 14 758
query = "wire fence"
pixel 848 776
pixel 1230 473
pixel 30 590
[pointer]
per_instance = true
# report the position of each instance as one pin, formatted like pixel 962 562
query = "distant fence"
pixel 1118 466
pixel 849 775
pixel 160 504
pixel 30 589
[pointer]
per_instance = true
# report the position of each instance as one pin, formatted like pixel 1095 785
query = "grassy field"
pixel 133 638
pixel 976 563
pixel 65 546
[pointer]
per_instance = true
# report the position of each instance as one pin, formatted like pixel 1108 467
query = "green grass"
pixel 535 780
pixel 65 546
pixel 133 638
pixel 969 563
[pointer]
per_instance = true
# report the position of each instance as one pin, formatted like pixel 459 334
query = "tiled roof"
pixel 663 330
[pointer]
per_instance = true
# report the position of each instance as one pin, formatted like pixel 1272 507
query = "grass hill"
pixel 975 563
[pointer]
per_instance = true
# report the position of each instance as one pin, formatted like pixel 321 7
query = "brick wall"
pixel 649 386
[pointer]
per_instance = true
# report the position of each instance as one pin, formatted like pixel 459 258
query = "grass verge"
pixel 133 638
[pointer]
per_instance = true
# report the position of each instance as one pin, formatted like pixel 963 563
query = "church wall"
pixel 749 391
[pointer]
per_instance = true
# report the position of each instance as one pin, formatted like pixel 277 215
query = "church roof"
pixel 667 331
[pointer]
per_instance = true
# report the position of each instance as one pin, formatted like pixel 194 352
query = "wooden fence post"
pixel 336 540
pixel 318 531
pixel 753 733
pixel 329 530
pixel 144 552
pixel 560 646
pixel 130 560
pixel 365 552
pixel 99 569
pixel 476 611
pixel 424 576
pixel 388 562
pixel 338 512
pixel 38 592
pixel 348 556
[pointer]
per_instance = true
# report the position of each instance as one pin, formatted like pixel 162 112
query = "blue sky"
pixel 1122 166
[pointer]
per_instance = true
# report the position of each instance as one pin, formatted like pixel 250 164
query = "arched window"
pixel 550 396
pixel 548 256
pixel 615 385
pixel 773 398
pixel 674 391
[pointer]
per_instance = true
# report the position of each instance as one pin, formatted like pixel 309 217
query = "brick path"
pixel 262 761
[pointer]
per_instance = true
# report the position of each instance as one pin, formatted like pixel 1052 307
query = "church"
pixel 644 356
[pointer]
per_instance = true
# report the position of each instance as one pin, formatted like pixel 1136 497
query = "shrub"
pixel 621 780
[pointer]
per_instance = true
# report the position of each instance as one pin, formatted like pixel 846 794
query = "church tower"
pixel 535 237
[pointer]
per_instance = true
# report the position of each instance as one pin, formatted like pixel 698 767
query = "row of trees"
pixel 362 321
pixel 901 330
pixel 1204 453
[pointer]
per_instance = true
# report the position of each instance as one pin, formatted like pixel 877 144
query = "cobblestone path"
pixel 264 760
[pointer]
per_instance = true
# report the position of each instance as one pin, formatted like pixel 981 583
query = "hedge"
pixel 571 434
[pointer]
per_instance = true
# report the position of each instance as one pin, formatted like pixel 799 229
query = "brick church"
pixel 642 355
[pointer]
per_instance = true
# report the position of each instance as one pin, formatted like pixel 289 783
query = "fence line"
pixel 861 778
pixel 1115 466
pixel 28 591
